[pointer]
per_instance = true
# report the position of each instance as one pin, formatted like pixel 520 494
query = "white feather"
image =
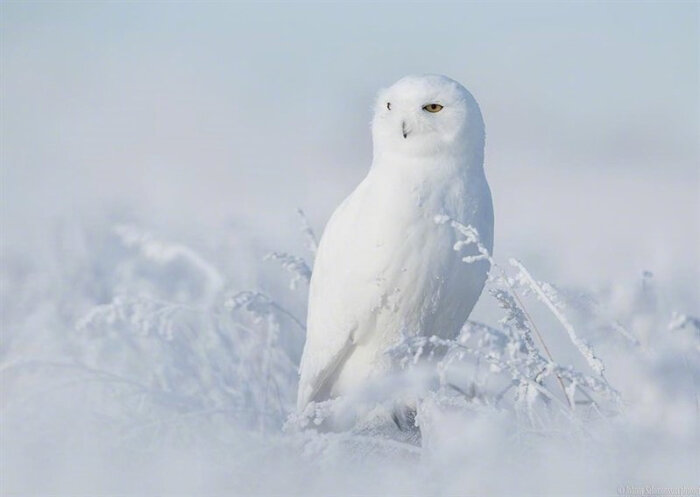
pixel 384 267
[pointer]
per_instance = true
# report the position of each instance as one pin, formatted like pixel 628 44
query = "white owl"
pixel 384 267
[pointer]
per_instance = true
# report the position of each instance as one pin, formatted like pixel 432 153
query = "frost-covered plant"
pixel 160 347
pixel 511 360
pixel 171 349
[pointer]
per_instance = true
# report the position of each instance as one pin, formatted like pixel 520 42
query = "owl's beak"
pixel 404 130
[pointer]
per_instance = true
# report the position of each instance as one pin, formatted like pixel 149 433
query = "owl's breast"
pixel 420 283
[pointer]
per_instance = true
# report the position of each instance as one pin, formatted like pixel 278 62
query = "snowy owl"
pixel 384 267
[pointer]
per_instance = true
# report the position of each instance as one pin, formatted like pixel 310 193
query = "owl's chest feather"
pixel 383 247
pixel 398 248
pixel 399 216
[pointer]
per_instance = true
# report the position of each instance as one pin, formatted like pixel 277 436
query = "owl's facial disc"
pixel 424 115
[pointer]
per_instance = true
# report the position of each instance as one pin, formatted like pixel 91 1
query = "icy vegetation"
pixel 135 364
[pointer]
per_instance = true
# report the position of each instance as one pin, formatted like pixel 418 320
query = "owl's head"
pixel 427 115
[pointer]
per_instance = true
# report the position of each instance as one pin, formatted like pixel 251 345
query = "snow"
pixel 127 371
pixel 150 342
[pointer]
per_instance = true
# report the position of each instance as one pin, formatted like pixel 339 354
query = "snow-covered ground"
pixel 152 159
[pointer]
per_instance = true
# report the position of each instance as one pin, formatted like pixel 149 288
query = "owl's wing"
pixel 329 328
pixel 341 300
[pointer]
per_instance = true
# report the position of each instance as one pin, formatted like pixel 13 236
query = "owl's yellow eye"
pixel 432 108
